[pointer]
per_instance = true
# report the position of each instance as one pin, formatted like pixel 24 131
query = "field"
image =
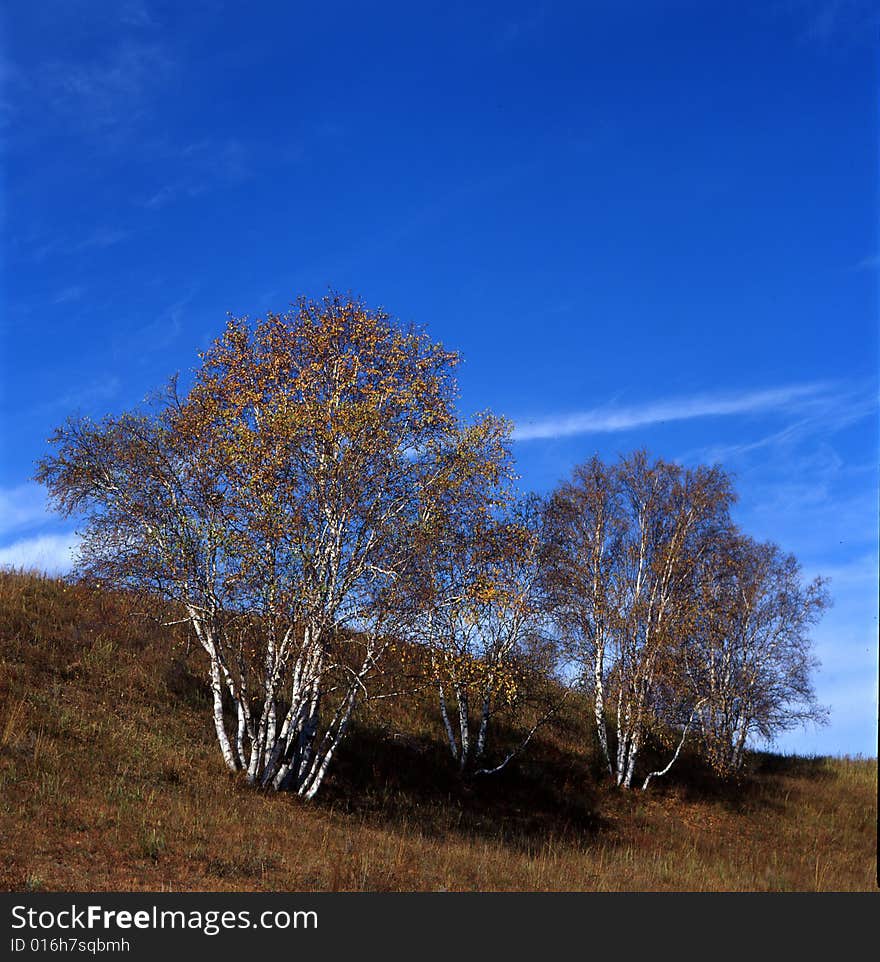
pixel 110 779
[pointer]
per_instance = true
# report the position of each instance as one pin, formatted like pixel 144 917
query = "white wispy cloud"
pixel 69 294
pixel 827 21
pixel 25 541
pixel 51 553
pixel 101 237
pixel 159 332
pixel 21 506
pixel 136 13
pixel 612 418
pixel 822 414
pixel 854 575
pixel 83 396
pixel 108 91
pixel 107 85
pixel 871 263
pixel 199 168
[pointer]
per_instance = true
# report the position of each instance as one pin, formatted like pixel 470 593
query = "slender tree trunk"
pixel 241 729
pixel 674 758
pixel 219 722
pixel 599 704
pixel 312 782
pixel 461 697
pixel 622 738
pixel 447 722
pixel 631 760
pixel 739 747
pixel 485 714
pixel 215 680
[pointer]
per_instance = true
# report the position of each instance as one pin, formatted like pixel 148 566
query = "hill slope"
pixel 110 779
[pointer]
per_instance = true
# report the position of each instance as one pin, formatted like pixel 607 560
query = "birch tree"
pixel 279 506
pixel 584 531
pixel 750 658
pixel 625 541
pixel 482 622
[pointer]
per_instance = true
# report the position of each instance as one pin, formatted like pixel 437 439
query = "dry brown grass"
pixel 110 780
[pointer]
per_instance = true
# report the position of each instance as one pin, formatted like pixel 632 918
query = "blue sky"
pixel 649 224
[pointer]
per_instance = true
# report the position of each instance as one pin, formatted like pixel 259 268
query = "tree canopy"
pixel 280 503
pixel 316 497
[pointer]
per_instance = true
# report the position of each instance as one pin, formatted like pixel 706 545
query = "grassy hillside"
pixel 110 779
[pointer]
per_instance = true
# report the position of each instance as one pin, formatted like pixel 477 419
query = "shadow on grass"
pixel 411 782
pixel 792 766
pixel 748 790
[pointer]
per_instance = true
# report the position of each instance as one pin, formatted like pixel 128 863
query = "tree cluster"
pixel 315 500
pixel 672 617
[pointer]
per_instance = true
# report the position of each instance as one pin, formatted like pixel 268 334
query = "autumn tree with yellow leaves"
pixel 482 622
pixel 282 504
pixel 315 499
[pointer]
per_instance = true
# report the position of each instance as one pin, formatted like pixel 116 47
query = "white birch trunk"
pixel 599 704
pixel 461 697
pixel 672 760
pixel 447 722
pixel 219 722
